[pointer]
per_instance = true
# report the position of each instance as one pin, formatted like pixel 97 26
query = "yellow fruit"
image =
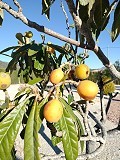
pixel 50 50
pixel 29 34
pixel 5 80
pixel 53 111
pixel 87 89
pixel 108 85
pixel 82 71
pixel 56 76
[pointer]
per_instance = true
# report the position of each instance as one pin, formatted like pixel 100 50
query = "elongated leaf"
pixel 34 49
pixel 75 119
pixel 9 128
pixel 70 98
pixel 22 93
pixel 101 8
pixel 69 137
pixel 46 4
pixel 58 48
pixel 55 139
pixel 17 53
pixel 35 80
pixel 40 108
pixel 8 49
pixel 68 108
pixel 101 17
pixel 80 133
pixel 116 23
pixel 31 136
pixel 38 65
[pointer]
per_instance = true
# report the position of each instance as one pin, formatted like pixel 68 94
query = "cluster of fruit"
pixel 86 89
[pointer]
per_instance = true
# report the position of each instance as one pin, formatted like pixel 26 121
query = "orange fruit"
pixel 82 71
pixel 5 80
pixel 56 76
pixel 53 111
pixel 87 89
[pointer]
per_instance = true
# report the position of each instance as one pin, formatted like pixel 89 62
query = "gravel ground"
pixel 112 146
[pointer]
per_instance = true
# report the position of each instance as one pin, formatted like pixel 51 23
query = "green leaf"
pixel 40 107
pixel 69 136
pixel 58 48
pixel 68 108
pixel 75 120
pixel 31 143
pixel 19 52
pixel 20 36
pixel 9 128
pixel 35 48
pixel 116 23
pixel 1 16
pixel 46 4
pixel 70 98
pixel 35 80
pixel 38 65
pixel 22 93
pixel 46 8
pixel 8 49
pixel 101 8
pixel 55 139
pixel 101 17
pixel 80 133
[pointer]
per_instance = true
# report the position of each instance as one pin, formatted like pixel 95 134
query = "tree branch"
pixel 82 28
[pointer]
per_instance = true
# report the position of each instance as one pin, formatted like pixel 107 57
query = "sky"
pixel 32 9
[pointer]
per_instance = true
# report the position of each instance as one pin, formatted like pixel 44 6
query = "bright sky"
pixel 32 10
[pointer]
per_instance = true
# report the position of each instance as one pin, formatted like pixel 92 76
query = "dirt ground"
pixel 114 110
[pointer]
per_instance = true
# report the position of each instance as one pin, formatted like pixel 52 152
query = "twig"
pixel 18 5
pixel 66 17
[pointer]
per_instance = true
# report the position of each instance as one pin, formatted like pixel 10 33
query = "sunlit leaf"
pixel 75 119
pixel 38 65
pixel 69 136
pixel 46 4
pixel 80 133
pixel 9 128
pixel 70 98
pixel 55 139
pixel 31 143
pixel 40 111
pixel 34 48
pixel 68 108
pixel 35 80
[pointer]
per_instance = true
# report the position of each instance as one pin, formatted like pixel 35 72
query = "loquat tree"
pixel 44 80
